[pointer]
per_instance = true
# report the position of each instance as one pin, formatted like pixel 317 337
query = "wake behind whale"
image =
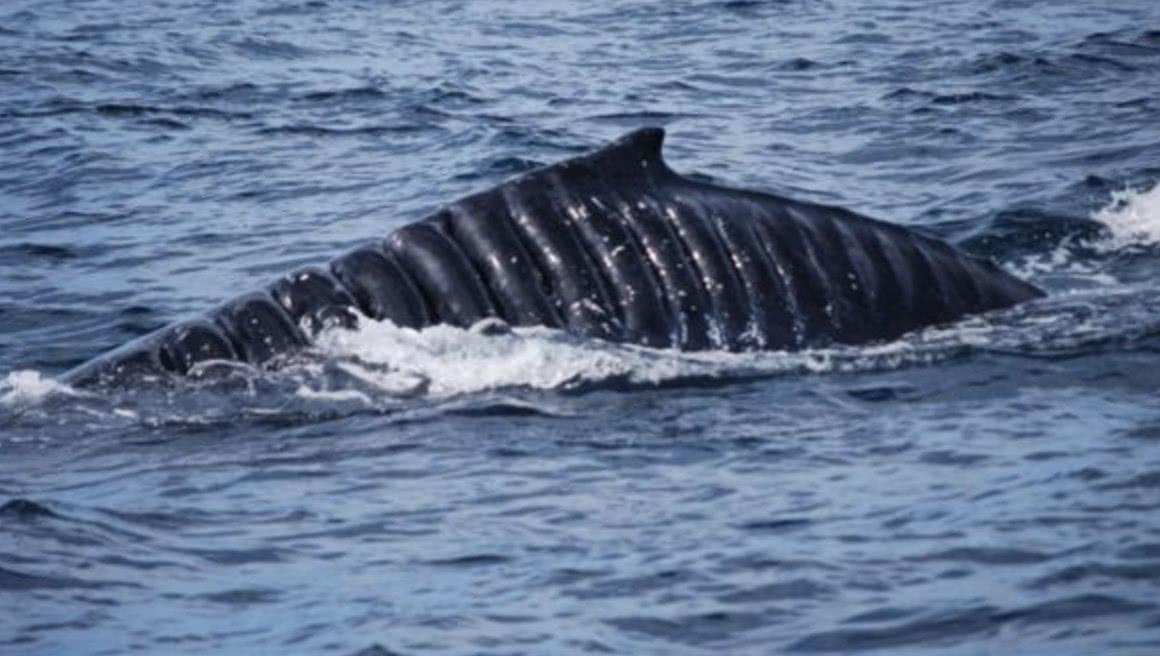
pixel 612 245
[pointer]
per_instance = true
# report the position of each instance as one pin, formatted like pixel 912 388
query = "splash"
pixel 444 360
pixel 27 387
pixel 1132 217
pixel 381 358
pixel 386 368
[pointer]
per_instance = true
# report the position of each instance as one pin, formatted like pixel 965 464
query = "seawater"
pixel 986 487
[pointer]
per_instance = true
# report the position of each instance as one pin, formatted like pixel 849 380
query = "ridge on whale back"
pixel 612 245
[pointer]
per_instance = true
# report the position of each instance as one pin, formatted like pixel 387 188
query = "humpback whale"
pixel 612 245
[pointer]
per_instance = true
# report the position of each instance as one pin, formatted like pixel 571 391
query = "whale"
pixel 610 245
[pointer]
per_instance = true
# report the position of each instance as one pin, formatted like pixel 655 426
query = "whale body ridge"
pixel 611 245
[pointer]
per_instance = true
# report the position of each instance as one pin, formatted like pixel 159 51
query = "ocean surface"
pixel 991 487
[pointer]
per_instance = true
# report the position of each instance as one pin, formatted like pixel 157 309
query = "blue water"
pixel 989 487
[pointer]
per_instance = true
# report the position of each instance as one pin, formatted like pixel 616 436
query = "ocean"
pixel 987 487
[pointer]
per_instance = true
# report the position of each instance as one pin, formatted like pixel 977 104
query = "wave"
pixel 122 110
pixel 911 628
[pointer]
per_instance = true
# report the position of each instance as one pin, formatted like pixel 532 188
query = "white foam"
pixel 307 392
pixel 29 387
pixel 1061 263
pixel 1133 220
pixel 443 361
pixel 1133 217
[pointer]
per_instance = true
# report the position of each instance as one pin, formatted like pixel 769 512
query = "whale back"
pixel 612 245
